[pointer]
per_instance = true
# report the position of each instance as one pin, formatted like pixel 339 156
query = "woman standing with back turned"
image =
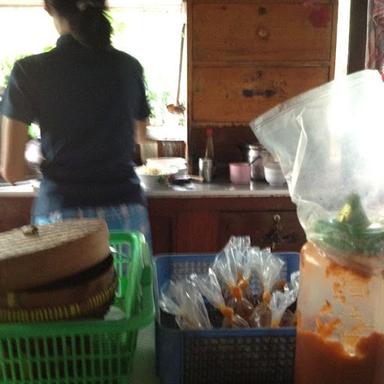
pixel 89 100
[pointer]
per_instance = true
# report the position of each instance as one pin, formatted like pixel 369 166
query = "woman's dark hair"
pixel 87 20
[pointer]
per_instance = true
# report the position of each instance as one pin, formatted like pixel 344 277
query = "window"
pixel 150 30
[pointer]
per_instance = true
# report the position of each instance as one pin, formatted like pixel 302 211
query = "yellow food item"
pixel 150 171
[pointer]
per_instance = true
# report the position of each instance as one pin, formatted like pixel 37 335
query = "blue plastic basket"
pixel 257 356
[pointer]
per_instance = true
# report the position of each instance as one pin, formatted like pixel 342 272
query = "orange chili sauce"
pixel 320 361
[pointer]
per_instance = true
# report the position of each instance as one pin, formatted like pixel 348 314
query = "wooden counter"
pixel 198 219
pixel 206 224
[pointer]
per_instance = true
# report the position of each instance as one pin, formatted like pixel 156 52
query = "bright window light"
pixel 149 30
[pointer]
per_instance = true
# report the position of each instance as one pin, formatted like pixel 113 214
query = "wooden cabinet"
pixel 162 231
pixel 246 56
pixel 200 225
pixel 237 94
pixel 250 31
pixel 15 212
pixel 184 225
pixel 279 230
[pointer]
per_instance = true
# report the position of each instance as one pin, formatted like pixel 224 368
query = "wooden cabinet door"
pixel 196 232
pixel 162 233
pixel 279 230
pixel 238 94
pixel 262 31
pixel 15 212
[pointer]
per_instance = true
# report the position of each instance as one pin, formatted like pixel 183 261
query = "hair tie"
pixel 82 5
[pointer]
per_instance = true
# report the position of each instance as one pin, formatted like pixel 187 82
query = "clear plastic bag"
pixel 268 269
pixel 182 299
pixel 210 288
pixel 280 301
pixel 328 142
pixel 232 266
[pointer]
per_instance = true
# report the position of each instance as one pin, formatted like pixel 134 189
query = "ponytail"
pixel 91 27
pixel 87 20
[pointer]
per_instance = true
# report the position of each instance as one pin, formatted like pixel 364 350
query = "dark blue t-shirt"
pixel 85 102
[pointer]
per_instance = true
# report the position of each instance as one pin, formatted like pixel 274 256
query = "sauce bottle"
pixel 209 148
pixel 340 310
pixel 206 163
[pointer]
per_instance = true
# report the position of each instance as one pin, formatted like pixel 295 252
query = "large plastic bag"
pixel 329 142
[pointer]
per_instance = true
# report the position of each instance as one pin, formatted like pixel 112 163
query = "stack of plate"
pixel 59 271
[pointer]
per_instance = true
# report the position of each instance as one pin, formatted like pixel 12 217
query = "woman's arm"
pixel 14 136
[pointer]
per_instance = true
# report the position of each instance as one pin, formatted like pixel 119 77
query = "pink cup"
pixel 240 173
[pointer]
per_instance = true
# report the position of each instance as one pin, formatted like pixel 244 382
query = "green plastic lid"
pixel 351 231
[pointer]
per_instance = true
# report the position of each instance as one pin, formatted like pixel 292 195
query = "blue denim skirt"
pixel 125 217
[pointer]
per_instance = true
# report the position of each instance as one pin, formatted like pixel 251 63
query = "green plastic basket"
pixel 87 351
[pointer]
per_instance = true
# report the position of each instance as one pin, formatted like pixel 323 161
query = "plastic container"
pixel 341 301
pixel 328 142
pixel 85 352
pixel 341 327
pixel 262 356
pixel 240 173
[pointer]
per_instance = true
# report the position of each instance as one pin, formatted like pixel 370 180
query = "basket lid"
pixel 31 256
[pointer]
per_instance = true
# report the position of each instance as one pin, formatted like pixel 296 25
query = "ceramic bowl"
pixel 273 174
pixel 152 178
